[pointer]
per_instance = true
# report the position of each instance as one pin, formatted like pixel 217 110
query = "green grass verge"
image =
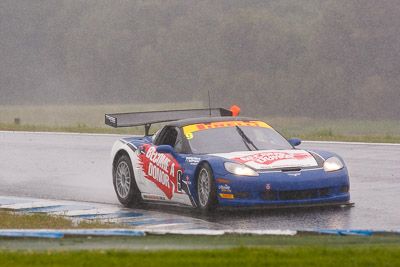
pixel 91 116
pixel 80 128
pixel 187 242
pixel 342 138
pixel 346 130
pixel 15 220
pixel 319 135
pixel 242 256
pixel 176 250
pixel 90 119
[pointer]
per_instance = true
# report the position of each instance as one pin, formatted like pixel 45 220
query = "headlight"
pixel 239 169
pixel 333 164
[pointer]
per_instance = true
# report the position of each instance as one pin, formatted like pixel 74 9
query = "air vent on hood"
pixel 290 169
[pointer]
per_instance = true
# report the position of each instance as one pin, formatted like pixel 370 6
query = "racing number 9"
pixel 189 136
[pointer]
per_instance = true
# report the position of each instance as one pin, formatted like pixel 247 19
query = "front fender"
pixel 326 154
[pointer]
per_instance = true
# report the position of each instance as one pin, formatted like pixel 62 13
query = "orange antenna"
pixel 235 110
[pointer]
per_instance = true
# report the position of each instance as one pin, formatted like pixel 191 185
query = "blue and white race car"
pixel 213 159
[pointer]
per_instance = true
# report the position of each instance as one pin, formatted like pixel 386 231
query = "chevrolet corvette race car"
pixel 207 158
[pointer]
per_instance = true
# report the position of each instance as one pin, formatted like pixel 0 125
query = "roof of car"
pixel 181 123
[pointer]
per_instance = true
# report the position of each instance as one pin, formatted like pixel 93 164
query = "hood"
pixel 272 159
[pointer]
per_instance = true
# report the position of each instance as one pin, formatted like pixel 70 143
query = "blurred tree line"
pixel 323 58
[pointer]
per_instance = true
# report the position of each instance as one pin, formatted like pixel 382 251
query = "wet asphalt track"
pixel 77 167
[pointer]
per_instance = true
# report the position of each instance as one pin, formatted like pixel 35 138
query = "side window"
pixel 169 137
pixel 178 144
pixel 172 137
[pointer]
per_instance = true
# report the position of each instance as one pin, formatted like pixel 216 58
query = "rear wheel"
pixel 124 182
pixel 206 189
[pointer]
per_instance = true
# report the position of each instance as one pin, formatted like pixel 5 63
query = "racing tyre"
pixel 206 189
pixel 124 183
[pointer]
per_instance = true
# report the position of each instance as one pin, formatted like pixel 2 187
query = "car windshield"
pixel 230 136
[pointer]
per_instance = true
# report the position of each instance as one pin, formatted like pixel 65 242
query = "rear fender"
pixel 122 147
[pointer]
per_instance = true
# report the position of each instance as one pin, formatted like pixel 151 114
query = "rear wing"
pixel 147 118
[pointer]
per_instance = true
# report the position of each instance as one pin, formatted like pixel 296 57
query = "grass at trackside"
pixel 80 116
pixel 177 250
pixel 241 256
pixel 70 129
pixel 12 220
pixel 342 138
pixel 346 130
pixel 319 135
pixel 231 250
pixel 187 242
pixel 90 119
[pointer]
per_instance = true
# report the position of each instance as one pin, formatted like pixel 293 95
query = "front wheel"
pixel 206 189
pixel 124 182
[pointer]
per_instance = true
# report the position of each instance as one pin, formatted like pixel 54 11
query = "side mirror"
pixel 294 141
pixel 167 149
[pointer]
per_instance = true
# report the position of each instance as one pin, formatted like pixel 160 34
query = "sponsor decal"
pixel 294 174
pixel 192 160
pixel 153 197
pixel 225 188
pixel 204 126
pixel 162 169
pixel 277 159
pixel 188 182
pixel 112 120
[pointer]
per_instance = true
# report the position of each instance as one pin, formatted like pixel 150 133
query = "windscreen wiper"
pixel 246 139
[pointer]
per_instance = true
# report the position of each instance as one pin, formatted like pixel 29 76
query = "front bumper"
pixel 284 189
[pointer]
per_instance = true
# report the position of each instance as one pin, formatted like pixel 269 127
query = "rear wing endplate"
pixel 147 118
